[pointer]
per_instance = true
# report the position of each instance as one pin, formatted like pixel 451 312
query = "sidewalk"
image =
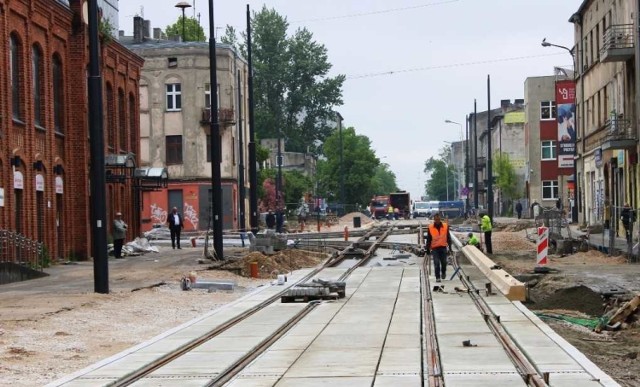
pixel 600 241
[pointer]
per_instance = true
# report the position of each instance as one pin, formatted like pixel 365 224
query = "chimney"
pixel 121 33
pixel 138 26
pixel 157 34
pixel 505 103
pixel 519 102
pixel 146 28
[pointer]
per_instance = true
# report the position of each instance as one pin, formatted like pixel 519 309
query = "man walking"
pixel 519 209
pixel 438 240
pixel 270 220
pixel 485 227
pixel 119 233
pixel 175 226
pixel 628 217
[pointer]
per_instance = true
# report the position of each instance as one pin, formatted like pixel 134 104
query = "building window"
pixel 58 95
pixel 174 97
pixel 38 95
pixel 174 150
pixel 548 150
pixel 122 121
pixel 549 190
pixel 207 96
pixel 15 64
pixel 110 117
pixel 547 110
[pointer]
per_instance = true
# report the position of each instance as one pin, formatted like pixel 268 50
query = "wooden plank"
pixel 513 289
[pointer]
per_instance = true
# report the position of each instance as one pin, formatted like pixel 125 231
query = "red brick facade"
pixel 49 154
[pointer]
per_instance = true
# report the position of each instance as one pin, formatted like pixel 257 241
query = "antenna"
pixel 142 11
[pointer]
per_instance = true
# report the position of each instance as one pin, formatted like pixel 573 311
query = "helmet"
pixel 470 234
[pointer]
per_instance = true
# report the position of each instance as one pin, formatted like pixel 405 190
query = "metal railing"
pixel 17 248
pixel 617 36
pixel 225 116
pixel 619 128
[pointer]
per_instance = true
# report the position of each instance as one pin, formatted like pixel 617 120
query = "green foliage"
pixel 440 173
pixel 359 168
pixel 384 180
pixel 505 176
pixel 44 258
pixel 105 29
pixel 192 29
pixel 294 186
pixel 293 93
pixel 262 153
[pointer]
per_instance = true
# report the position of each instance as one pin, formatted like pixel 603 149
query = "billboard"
pixel 566 112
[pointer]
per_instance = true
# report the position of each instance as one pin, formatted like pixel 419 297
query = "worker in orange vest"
pixel 438 241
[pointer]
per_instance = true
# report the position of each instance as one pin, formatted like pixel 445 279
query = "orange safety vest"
pixel 438 238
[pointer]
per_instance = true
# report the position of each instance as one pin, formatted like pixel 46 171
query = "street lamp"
pixel 446 176
pixel 456 123
pixel 183 5
pixel 574 209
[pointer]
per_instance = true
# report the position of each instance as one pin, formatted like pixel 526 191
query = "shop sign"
pixel 39 183
pixel 566 111
pixel 18 180
pixel 59 185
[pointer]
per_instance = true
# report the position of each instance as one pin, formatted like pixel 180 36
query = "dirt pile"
pixel 518 225
pixel 578 298
pixel 270 265
pixel 348 218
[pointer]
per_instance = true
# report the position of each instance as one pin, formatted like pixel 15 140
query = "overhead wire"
pixel 446 66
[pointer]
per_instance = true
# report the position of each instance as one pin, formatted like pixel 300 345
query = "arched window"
pixel 37 86
pixel 122 121
pixel 15 64
pixel 111 133
pixel 58 94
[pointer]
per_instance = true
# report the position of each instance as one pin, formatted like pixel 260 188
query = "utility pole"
pixel 241 189
pixel 96 146
pixel 466 163
pixel 339 117
pixel 279 219
pixel 253 162
pixel 489 169
pixel 216 148
pixel 475 155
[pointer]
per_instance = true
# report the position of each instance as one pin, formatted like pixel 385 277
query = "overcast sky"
pixel 440 53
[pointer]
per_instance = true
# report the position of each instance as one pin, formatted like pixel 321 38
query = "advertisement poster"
pixel 566 110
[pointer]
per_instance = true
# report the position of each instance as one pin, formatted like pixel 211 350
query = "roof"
pixel 155 44
pixel 580 11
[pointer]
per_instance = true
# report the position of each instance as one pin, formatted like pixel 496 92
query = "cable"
pixel 382 11
pixel 393 72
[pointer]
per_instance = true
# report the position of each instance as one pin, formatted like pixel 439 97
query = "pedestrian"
pixel 119 233
pixel 270 219
pixel 559 204
pixel 390 212
pixel 175 227
pixel 438 242
pixel 485 227
pixel 519 209
pixel 628 217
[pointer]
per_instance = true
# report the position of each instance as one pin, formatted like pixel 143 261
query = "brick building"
pixel 44 147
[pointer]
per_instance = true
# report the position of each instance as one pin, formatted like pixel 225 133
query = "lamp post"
pixel 339 119
pixel 456 123
pixel 449 161
pixel 574 209
pixel 183 5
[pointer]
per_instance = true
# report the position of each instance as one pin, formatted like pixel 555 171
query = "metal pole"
pixel 279 219
pixel 489 169
pixel 253 163
pixel 446 175
pixel 636 47
pixel 184 36
pixel 475 155
pixel 241 189
pixel 466 163
pixel 216 148
pixel 96 145
pixel 341 165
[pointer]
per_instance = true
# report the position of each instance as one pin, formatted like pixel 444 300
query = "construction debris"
pixel 616 319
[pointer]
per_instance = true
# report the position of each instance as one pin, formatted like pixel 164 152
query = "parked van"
pixel 425 209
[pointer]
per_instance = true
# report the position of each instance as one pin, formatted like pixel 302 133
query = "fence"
pixel 17 248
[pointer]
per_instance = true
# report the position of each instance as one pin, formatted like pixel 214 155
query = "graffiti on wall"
pixel 158 214
pixel 191 215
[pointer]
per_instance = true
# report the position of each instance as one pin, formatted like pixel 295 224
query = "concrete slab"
pixel 484 380
pixel 551 359
pixel 89 382
pixel 199 363
pixel 402 328
pixel 398 381
pixel 293 342
pixel 326 382
pixel 357 341
pixel 244 330
pixel 454 340
pixel 338 363
pixel 508 313
pixel 407 341
pixel 172 381
pixel 272 363
pixel 251 381
pixel 462 328
pixel 226 344
pixel 475 359
pixel 305 329
pixel 400 361
pixel 572 380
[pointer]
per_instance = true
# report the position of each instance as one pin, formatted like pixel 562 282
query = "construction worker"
pixel 438 241
pixel 485 227
pixel 390 212
pixel 474 241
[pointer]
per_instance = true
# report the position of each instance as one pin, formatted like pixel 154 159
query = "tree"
pixel 295 186
pixel 294 96
pixel 359 165
pixel 505 178
pixel 384 180
pixel 440 174
pixel 192 29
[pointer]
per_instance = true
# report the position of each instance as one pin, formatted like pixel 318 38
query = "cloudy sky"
pixel 410 64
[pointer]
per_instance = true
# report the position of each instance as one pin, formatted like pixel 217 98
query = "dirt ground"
pixel 56 325
pixel 575 287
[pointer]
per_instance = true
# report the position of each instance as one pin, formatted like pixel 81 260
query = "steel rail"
pixel 430 340
pixel 366 256
pixel 342 255
pixel 235 368
pixel 526 369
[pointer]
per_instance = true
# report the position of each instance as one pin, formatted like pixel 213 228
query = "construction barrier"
pixel 543 246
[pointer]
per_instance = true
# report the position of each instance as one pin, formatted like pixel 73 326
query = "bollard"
pixel 254 269
pixel 346 233
pixel 193 242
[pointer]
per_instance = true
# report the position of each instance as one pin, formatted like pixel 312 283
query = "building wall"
pixel 55 197
pixel 191 70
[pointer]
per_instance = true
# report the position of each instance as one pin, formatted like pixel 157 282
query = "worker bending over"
pixel 438 242
pixel 474 241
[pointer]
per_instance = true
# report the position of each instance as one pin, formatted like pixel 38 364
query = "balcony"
pixel 619 133
pixel 226 117
pixel 617 45
pixel 481 163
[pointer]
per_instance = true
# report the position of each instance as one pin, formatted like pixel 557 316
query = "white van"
pixel 425 209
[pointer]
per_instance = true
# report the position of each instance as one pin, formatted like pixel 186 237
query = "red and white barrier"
pixel 543 246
